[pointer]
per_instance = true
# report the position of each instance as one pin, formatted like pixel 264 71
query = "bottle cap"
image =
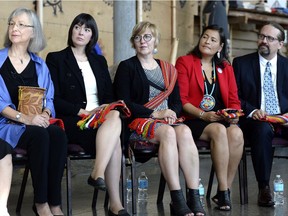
pixel 278 176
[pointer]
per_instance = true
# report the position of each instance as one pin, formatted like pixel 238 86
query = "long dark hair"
pixel 223 54
pixel 89 22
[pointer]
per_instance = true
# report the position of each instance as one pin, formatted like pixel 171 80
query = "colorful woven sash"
pixel 95 120
pixel 276 119
pixel 146 126
pixel 230 113
pixel 58 122
pixel 170 76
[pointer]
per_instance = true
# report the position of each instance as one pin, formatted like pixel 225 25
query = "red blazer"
pixel 191 82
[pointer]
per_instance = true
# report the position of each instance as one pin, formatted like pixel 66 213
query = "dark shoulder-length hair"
pixel 89 22
pixel 223 54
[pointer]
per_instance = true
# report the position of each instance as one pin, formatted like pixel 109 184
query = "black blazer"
pixel 132 86
pixel 69 86
pixel 247 74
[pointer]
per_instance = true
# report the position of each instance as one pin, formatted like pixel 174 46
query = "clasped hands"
pixel 214 117
pixel 168 115
pixel 41 120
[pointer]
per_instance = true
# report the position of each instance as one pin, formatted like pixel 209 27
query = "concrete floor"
pixel 82 193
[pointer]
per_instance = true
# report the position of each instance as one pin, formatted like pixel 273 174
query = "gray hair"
pixel 38 42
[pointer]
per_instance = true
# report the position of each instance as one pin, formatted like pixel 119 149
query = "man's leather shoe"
pixel 265 198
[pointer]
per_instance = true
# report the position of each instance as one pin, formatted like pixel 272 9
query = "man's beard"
pixel 264 50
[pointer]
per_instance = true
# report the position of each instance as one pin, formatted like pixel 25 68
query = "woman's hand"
pixel 86 112
pixel 211 117
pixel 40 120
pixel 168 115
pixel 98 108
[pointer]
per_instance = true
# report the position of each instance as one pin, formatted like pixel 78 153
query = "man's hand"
pixel 259 114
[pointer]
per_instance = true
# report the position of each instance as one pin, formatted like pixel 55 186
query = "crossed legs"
pixel 108 157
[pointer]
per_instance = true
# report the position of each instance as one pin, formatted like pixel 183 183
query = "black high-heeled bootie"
pixel 194 203
pixel 178 205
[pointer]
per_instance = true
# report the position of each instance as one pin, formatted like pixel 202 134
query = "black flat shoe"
pixel 99 183
pixel 122 212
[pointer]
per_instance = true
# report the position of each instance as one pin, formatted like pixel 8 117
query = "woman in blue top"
pixel 46 144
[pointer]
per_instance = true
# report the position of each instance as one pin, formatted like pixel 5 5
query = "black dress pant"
pixel 260 135
pixel 47 152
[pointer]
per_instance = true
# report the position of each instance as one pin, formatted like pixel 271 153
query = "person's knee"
pixel 166 134
pixel 236 139
pixel 218 132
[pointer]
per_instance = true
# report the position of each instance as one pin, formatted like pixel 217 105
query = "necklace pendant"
pixel 208 102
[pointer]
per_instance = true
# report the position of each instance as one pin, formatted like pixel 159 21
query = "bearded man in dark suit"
pixel 250 72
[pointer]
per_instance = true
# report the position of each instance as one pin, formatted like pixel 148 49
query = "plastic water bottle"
pixel 142 187
pixel 129 189
pixel 201 192
pixel 278 190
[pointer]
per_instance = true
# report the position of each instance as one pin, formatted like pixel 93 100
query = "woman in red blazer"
pixel 207 84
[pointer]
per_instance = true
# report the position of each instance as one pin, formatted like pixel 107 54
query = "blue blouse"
pixel 11 133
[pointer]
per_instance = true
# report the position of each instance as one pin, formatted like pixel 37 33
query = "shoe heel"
pixel 172 211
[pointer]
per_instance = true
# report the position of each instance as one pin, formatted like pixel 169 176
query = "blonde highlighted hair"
pixel 141 27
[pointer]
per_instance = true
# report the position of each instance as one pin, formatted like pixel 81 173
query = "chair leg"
pixel 161 189
pixel 241 181
pixel 245 180
pixel 22 190
pixel 106 200
pixel 94 199
pixel 210 183
pixel 134 186
pixel 123 182
pixel 68 186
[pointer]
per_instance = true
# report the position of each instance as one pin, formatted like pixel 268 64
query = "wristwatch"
pixel 18 116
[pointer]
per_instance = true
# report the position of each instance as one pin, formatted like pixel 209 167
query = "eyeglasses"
pixel 20 26
pixel 146 38
pixel 269 38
